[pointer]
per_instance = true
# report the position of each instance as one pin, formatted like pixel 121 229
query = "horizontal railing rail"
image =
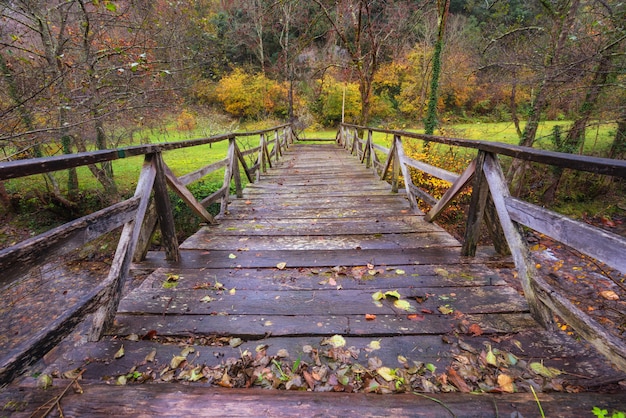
pixel 139 217
pixel 503 214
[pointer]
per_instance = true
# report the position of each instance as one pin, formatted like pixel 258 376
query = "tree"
pixel 366 30
pixel 430 123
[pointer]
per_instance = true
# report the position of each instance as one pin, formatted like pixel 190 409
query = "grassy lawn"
pixel 186 160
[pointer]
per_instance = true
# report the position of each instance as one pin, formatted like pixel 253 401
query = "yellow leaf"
pixel 232 256
pixel 337 341
pixel 404 305
pixel 491 358
pixel 393 293
pixel 120 353
pixel 378 295
pixel 374 345
pixel 386 373
pixel 399 271
pixel 176 361
pixel 446 310
pixel 281 266
pixel 232 291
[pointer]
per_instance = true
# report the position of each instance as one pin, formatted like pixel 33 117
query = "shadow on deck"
pixel 320 279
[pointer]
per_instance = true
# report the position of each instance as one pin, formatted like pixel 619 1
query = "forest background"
pixel 80 75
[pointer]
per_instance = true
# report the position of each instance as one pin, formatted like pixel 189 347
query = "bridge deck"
pixel 298 261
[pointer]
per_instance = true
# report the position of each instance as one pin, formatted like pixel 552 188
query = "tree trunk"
pixel 618 149
pixel 518 167
pixel 576 133
pixel 431 114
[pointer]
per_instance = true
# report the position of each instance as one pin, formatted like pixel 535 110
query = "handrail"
pixel 139 217
pixel 491 200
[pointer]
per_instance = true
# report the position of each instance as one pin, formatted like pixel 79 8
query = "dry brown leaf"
pixel 475 330
pixel 609 295
pixel 457 381
pixel 506 383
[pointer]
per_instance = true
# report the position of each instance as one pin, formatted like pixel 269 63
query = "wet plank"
pixel 257 327
pixel 318 279
pixel 181 400
pixel 294 239
pixel 321 302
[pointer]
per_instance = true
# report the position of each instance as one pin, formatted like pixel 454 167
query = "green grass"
pixel 182 161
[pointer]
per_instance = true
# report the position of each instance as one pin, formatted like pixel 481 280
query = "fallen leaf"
pixel 119 353
pixel 399 271
pixel 235 342
pixel 609 295
pixel 457 381
pixel 207 299
pixel 176 361
pixel 386 373
pixel 370 317
pixel 490 358
pixel 548 372
pixel 506 383
pixel 475 330
pixel 374 345
pixel 445 309
pixel 232 291
pixel 441 272
pixel 232 256
pixel 378 295
pixel 44 381
pixel 404 305
pixel 150 357
pixel 337 341
pixel 281 266
pixel 393 293
pixel 415 317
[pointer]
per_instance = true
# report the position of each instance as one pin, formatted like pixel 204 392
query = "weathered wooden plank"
pixel 606 343
pixel 198 174
pixel 120 265
pixel 317 258
pixel 184 193
pixel 456 188
pixel 183 400
pixel 14 361
pixel 432 170
pixel 319 279
pixel 468 300
pixel 602 245
pixel 259 225
pixel 319 212
pixel 254 327
pixel 18 259
pixel 164 210
pixel 299 241
pixel 520 253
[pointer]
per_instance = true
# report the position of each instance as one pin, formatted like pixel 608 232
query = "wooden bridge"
pixel 321 278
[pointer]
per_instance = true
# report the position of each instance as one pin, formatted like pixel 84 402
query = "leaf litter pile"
pixel 333 366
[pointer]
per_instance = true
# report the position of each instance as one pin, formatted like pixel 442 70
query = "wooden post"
pixel 104 315
pixel 521 255
pixel 261 158
pixel 395 176
pixel 406 174
pixel 478 202
pixel 367 150
pixel 233 154
pixel 277 146
pixel 164 211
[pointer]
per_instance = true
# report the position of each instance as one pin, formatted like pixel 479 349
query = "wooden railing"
pixel 139 217
pixel 504 214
